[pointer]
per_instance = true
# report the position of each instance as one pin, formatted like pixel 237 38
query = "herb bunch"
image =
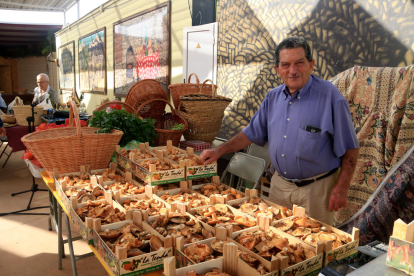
pixel 131 125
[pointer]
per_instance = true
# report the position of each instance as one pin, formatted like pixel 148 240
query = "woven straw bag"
pixel 164 123
pixel 203 104
pixel 70 147
pixel 181 89
pixel 201 128
pixel 24 111
pixel 143 91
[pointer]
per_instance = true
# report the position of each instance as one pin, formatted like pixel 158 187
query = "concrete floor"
pixel 26 245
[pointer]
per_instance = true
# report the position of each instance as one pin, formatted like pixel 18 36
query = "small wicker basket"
pixel 206 105
pixel 181 89
pixel 201 128
pixel 143 91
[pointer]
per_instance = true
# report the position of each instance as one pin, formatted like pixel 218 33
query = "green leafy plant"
pixel 177 127
pixel 130 124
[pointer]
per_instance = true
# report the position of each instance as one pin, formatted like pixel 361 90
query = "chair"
pixel 245 167
pixel 261 152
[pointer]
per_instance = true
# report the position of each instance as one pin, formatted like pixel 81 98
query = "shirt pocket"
pixel 308 145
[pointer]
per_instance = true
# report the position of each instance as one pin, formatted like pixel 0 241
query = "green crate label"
pixel 141 265
pixel 201 171
pixel 167 176
pixel 342 252
pixel 400 255
pixel 307 268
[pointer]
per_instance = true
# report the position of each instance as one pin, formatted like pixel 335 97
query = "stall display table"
pixel 56 214
pixel 377 267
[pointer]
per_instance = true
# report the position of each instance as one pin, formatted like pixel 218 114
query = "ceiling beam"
pixel 31 6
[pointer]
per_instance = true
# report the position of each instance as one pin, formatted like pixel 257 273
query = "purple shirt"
pixel 281 120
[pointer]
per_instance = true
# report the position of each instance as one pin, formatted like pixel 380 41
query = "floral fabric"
pixel 382 106
pixel 393 201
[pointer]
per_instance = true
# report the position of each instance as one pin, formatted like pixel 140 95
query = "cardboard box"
pixel 119 263
pixel 252 193
pixel 154 177
pixel 125 163
pixel 183 188
pixel 401 247
pixel 85 228
pixel 216 180
pixel 229 263
pixel 310 266
pixel 338 253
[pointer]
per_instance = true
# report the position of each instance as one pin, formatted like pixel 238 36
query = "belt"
pixel 301 183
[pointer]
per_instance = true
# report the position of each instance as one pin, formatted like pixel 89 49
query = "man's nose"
pixel 293 69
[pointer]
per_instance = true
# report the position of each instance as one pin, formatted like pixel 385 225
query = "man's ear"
pixel 277 69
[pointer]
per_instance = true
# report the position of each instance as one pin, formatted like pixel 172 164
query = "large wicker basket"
pixel 24 111
pixel 143 91
pixel 181 89
pixel 70 147
pixel 205 105
pixel 127 107
pixel 201 128
pixel 164 123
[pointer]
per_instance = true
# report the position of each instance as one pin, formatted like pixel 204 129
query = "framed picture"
pixel 67 66
pixel 92 62
pixel 142 48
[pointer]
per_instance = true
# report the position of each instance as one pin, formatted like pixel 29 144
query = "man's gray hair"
pixel 45 76
pixel 293 42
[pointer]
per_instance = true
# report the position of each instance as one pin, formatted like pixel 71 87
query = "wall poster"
pixel 67 66
pixel 92 62
pixel 142 48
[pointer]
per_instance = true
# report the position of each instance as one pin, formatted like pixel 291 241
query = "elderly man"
pixel 43 92
pixel 312 142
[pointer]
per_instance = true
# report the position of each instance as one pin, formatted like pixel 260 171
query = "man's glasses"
pixel 38 82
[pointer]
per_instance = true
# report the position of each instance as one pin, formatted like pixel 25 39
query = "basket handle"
pixel 213 87
pixel 152 100
pixel 128 108
pixel 189 77
pixel 71 97
pixel 74 111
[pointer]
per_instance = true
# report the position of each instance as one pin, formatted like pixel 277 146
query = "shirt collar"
pixel 301 92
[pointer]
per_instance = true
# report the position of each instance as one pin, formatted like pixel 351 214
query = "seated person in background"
pixel 2 129
pixel 43 92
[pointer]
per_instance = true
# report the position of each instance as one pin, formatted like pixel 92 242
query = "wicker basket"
pixel 181 89
pixel 70 147
pixel 72 97
pixel 164 123
pixel 201 128
pixel 22 112
pixel 127 107
pixel 143 91
pixel 206 105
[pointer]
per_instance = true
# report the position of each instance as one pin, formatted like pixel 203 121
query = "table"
pixel 56 211
pixel 377 267
pixel 14 135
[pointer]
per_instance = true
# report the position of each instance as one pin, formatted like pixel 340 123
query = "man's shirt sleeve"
pixel 256 131
pixel 344 136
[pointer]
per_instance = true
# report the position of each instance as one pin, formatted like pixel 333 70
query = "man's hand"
pixel 338 197
pixel 339 193
pixel 238 142
pixel 210 155
pixel 2 132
